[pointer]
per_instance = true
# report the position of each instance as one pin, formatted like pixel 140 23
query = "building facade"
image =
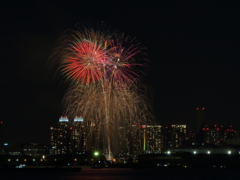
pixel 175 136
pixel 141 139
pixel 215 134
pixel 152 138
pixel 70 137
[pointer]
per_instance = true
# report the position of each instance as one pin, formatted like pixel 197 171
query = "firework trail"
pixel 127 106
pixel 105 70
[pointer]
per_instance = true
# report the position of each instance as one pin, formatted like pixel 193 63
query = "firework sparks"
pixel 85 63
pixel 125 107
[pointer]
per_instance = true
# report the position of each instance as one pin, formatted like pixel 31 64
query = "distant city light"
pixel 209 152
pixel 168 152
pixel 63 119
pixel 229 152
pixel 78 119
pixel 200 108
pixel 194 152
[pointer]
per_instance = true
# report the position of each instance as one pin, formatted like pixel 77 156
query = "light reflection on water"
pixel 116 174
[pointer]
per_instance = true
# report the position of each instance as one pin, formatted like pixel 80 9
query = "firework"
pixel 125 107
pixel 104 68
pixel 84 62
pixel 88 56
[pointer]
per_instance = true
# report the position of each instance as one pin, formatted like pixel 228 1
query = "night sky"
pixel 193 47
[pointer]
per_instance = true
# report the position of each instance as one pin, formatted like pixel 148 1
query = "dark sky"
pixel 193 48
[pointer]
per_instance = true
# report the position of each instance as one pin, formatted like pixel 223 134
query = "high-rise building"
pixel 136 140
pixel 214 135
pixel 199 125
pixel 190 139
pixel 141 139
pixel 124 144
pixel 60 137
pixel 63 136
pixel 175 136
pixel 53 141
pixel 152 138
pixel 70 137
pixel 130 140
pixel 78 136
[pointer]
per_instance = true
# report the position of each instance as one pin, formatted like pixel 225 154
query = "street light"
pixel 96 153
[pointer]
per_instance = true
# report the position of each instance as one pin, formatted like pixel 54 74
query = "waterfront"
pixel 117 174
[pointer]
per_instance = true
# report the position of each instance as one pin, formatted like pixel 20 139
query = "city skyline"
pixel 74 131
pixel 192 49
pixel 68 138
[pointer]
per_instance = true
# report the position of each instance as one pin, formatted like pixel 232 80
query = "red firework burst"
pixel 85 63
pixel 89 56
